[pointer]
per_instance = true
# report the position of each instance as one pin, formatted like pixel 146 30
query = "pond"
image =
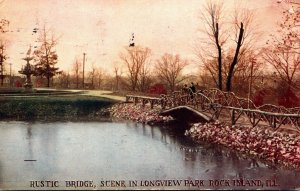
pixel 120 155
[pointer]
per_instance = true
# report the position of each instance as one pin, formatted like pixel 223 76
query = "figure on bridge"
pixel 192 90
pixel 185 89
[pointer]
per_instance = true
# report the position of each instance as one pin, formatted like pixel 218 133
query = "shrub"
pixel 288 98
pixel 52 107
pixel 157 89
pixel 259 97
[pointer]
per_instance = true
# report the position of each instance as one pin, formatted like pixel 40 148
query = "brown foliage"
pixel 169 68
pixel 282 52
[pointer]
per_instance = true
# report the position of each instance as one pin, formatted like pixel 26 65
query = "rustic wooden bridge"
pixel 214 104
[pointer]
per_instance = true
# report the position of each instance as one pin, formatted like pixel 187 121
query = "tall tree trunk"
pixel 77 81
pixel 99 82
pixel 219 57
pixel 235 59
pixel 48 81
pixel 92 82
pixel 117 83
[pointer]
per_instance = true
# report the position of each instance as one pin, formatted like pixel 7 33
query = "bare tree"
pixel 169 68
pixel 134 59
pixel 248 71
pixel 93 75
pixel 235 58
pixel 76 69
pixel 3 57
pixel 285 61
pixel 144 78
pixel 101 75
pixel 3 29
pixel 245 36
pixel 289 27
pixel 218 34
pixel 246 68
pixel 118 74
pixel 282 53
pixel 212 17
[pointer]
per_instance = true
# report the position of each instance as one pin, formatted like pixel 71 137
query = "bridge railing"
pixel 215 101
pixel 274 116
pixel 274 120
pixel 144 100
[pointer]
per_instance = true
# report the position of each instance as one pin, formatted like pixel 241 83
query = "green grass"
pixel 52 107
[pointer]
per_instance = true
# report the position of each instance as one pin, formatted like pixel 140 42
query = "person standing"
pixel 193 87
pixel 192 90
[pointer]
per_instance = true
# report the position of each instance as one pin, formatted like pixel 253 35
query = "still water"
pixel 103 151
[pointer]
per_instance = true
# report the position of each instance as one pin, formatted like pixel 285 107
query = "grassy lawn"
pixel 52 107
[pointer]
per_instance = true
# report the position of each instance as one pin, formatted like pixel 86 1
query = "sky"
pixel 102 28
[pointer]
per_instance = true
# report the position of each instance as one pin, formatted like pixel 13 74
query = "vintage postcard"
pixel 149 94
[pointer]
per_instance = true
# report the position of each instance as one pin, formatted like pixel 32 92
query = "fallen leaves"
pixel 137 113
pixel 276 147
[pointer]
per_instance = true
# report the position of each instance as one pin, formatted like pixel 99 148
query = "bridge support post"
pixel 233 117
pixel 163 104
pixel 135 100
pixel 127 98
pixel 151 104
pixel 143 102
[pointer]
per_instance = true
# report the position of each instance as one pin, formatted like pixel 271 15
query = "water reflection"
pixel 29 142
pixel 238 166
pixel 105 150
pixel 218 162
pixel 1 175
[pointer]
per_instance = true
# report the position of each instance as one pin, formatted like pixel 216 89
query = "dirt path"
pixel 103 93
pixel 98 93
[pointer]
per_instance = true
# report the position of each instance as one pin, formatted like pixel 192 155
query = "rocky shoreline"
pixel 267 145
pixel 277 148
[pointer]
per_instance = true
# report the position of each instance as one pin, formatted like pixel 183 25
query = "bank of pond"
pixel 75 107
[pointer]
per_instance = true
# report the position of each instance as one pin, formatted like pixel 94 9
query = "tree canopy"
pixel 46 57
